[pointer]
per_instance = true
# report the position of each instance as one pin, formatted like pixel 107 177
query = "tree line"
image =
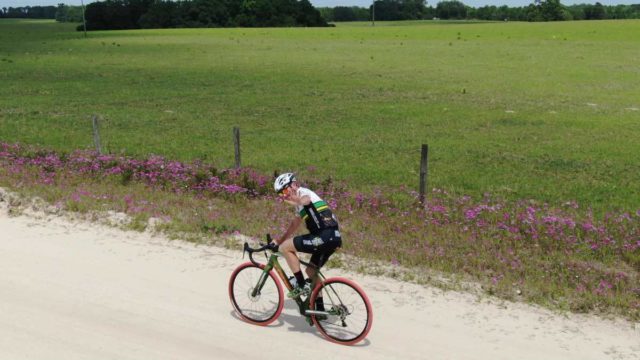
pixel 136 14
pixel 67 13
pixel 29 12
pixel 148 14
pixel 539 10
pixel 133 14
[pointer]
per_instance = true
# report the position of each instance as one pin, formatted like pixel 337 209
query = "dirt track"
pixel 73 290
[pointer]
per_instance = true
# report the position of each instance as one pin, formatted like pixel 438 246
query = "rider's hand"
pixel 273 246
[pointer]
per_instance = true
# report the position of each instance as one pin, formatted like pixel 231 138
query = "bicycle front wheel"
pixel 349 312
pixel 256 296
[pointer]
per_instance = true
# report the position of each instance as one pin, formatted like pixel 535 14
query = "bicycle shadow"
pixel 295 321
pixel 291 316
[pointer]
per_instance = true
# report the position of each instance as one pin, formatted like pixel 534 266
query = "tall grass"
pixel 556 254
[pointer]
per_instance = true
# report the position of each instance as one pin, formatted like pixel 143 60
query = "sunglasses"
pixel 285 191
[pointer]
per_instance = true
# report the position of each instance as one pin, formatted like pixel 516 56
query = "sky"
pixel 361 3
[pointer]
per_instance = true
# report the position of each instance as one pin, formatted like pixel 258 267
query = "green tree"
pixel 344 13
pixel 399 9
pixel 161 14
pixel 413 9
pixel 595 12
pixel 326 13
pixel 66 13
pixel 549 10
pixel 451 10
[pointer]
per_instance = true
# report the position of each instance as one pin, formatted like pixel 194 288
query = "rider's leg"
pixel 317 259
pixel 311 272
pixel 289 252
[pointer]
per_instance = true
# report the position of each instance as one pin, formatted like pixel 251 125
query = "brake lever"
pixel 269 241
pixel 244 250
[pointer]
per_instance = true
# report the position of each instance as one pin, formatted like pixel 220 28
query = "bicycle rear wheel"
pixel 350 312
pixel 256 303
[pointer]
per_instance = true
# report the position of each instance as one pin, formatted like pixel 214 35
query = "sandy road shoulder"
pixel 75 289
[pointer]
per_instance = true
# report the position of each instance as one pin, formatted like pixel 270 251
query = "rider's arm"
pixel 298 200
pixel 293 226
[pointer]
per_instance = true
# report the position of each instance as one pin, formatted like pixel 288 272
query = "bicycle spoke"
pixel 262 308
pixel 350 313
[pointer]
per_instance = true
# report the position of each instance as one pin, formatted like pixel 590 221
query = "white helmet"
pixel 283 181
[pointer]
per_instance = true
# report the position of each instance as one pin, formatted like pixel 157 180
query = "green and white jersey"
pixel 317 215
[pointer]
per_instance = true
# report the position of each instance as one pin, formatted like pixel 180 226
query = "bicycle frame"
pixel 274 264
pixel 303 306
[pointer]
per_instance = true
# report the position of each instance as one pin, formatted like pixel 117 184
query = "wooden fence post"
pixel 373 13
pixel 96 135
pixel 84 20
pixel 236 143
pixel 424 170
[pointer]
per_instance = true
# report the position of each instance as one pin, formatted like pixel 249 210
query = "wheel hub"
pixel 253 298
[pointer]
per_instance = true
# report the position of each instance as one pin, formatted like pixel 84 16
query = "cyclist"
pixel 323 238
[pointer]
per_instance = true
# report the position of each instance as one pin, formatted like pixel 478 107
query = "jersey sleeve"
pixel 306 192
pixel 300 210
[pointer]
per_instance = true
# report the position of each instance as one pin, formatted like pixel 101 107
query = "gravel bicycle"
pixel 258 298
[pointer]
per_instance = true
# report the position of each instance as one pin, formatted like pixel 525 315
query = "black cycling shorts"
pixel 320 245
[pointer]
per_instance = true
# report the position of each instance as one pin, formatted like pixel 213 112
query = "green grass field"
pixel 549 111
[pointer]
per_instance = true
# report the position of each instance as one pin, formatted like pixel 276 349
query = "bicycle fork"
pixel 263 278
